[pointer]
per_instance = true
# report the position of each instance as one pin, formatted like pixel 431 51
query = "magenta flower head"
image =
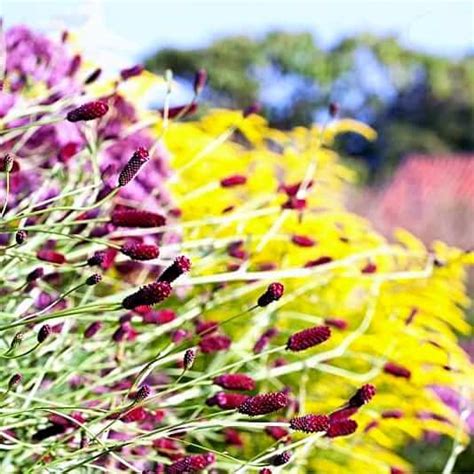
pixel 131 72
pixel 396 370
pixel 20 237
pixel 94 279
pixel 210 344
pixel 148 295
pixel 180 265
pixel 92 329
pixel 274 293
pixel 129 171
pixel 96 259
pixel 307 338
pixel 227 401
pixel 232 181
pixel 14 381
pixel 89 111
pixel 264 403
pixel 44 333
pixel 310 423
pixel 341 428
pixel 134 218
pixel 200 80
pixel 193 463
pixel 139 251
pixel 142 393
pixel 235 382
pixel 362 396
pixel 188 358
pixel 281 459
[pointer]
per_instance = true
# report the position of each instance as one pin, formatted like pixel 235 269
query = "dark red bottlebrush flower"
pixel 124 332
pixel 236 250
pixel 281 459
pixel 227 401
pixel 264 403
pixel 307 338
pixel 392 414
pixel 276 432
pixel 336 323
pixel 139 251
pixel 294 203
pixel 235 382
pixel 93 76
pixel 96 259
pixel 254 108
pixel 129 171
pixel 131 71
pixel 180 110
pixel 274 293
pixel 362 396
pixel 341 428
pixel 168 447
pixel 200 79
pixel 89 111
pixel 180 265
pixel 303 241
pixel 142 393
pixel 161 316
pixel 319 261
pixel 51 256
pixel 369 268
pixel 133 415
pixel 44 333
pixel 333 109
pixel 234 180
pixel 35 275
pixel 190 464
pixel 342 414
pixel 310 423
pixel 232 438
pixel 396 370
pixel 134 218
pixel 210 344
pixel 148 295
pixel 264 340
pixel 21 236
pixel 94 279
pixel 14 381
pixel 92 329
pixel 188 358
pixel 203 328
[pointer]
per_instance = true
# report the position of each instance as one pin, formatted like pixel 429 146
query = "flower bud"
pixel 44 333
pixel 89 111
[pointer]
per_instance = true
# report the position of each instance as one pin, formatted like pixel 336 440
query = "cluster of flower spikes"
pixel 168 388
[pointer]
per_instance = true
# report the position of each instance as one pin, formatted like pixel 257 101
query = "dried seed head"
pixel 139 251
pixel 93 76
pixel 92 329
pixel 188 358
pixel 129 171
pixel 200 80
pixel 281 459
pixel 96 259
pixel 148 295
pixel 308 338
pixel 310 423
pixel 362 396
pixel 131 72
pixel 180 265
pixel 14 381
pixel 21 236
pixel 89 111
pixel 210 344
pixel 142 393
pixel 264 403
pixel 235 382
pixel 193 463
pixel 396 370
pixel 274 293
pixel 234 180
pixel 134 218
pixel 341 428
pixel 44 333
pixel 254 108
pixel 94 279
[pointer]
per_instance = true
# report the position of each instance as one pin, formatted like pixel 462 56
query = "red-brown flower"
pixel 264 403
pixel 362 396
pixel 210 344
pixel 181 265
pixel 310 423
pixel 396 370
pixel 139 251
pixel 303 241
pixel 89 111
pixel 274 293
pixel 189 464
pixel 134 218
pixel 148 295
pixel 227 401
pixel 235 382
pixel 281 459
pixel 129 171
pixel 307 338
pixel 234 180
pixel 341 428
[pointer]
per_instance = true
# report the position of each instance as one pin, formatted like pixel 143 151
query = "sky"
pixel 134 28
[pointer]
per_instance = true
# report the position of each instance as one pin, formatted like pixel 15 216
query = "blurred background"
pixel 404 67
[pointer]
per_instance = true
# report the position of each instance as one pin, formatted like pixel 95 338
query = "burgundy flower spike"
pixel 89 111
pixel 264 403
pixel 307 338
